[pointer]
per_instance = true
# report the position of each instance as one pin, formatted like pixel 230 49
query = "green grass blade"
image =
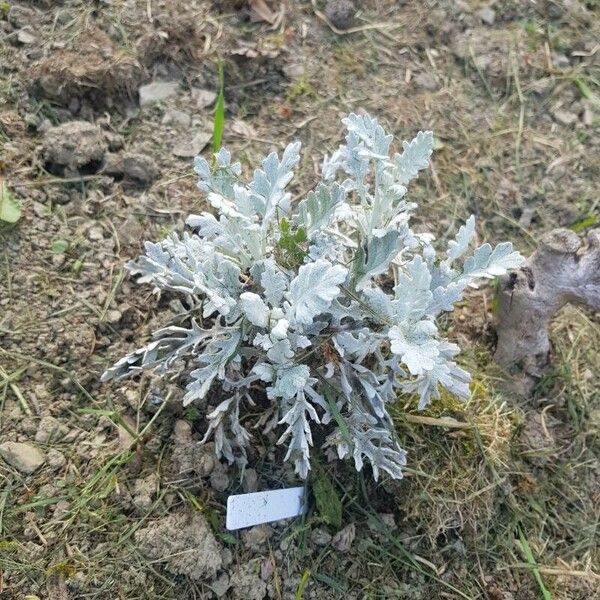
pixel 219 119
pixel 533 565
pixel 302 585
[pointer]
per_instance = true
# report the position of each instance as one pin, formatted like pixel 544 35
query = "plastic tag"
pixel 246 510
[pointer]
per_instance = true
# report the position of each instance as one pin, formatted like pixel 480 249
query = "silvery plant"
pixel 326 307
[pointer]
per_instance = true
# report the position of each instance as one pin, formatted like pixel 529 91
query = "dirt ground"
pixel 103 104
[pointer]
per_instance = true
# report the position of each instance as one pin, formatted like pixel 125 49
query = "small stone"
pixel 95 234
pixel 588 115
pixel 194 147
pixel 389 521
pixel 250 483
pixel 130 232
pixel 220 585
pixel 340 13
pixel 133 167
pixel 343 539
pixel 526 217
pixel 565 117
pixel 487 15
pixel 560 61
pixel 48 429
pixel 61 508
pixel 23 457
pixel 26 36
pixel 320 537
pixel 203 98
pixel 255 537
pixel 219 481
pixel 267 568
pixel 226 557
pixel 176 117
pixel 144 491
pixel 114 316
pixel 55 459
pixel 157 91
pixel 293 70
pixel 44 126
pixel 114 140
pixel 426 81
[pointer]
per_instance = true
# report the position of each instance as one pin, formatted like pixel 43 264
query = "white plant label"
pixel 246 510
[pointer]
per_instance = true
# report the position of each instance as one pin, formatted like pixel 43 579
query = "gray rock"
pixel 48 429
pixel 220 585
pixel 487 15
pixel 176 117
pixel 25 458
pixel 560 61
pixel 565 117
pixel 343 539
pixel 133 167
pixel 526 217
pixel 55 459
pixel 194 147
pixel 250 483
pixel 426 81
pixel 203 98
pixel 320 537
pixel 255 537
pixel 157 91
pixel 26 36
pixel 219 480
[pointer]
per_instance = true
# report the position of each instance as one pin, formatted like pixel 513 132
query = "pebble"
pixel 23 457
pixel 320 537
pixel 487 15
pixel 526 217
pixel 177 117
pixel 189 149
pixel 565 117
pixel 255 537
pixel 55 459
pixel 95 234
pixel 26 36
pixel 426 81
pixel 343 539
pixel 220 585
pixel 49 428
pixel 114 316
pixel 203 98
pixel 157 91
pixel 250 483
pixel 219 481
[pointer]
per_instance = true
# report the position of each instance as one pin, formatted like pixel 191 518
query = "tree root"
pixel 565 269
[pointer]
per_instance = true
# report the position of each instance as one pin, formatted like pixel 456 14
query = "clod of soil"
pixel 93 68
pixel 246 583
pixel 75 148
pixel 185 543
pixel 137 169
